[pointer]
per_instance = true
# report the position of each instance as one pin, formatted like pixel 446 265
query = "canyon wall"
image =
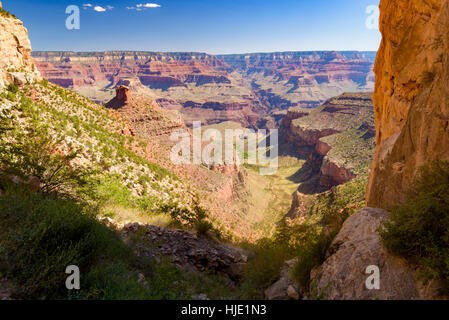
pixel 210 88
pixel 16 63
pixel 337 139
pixel 411 97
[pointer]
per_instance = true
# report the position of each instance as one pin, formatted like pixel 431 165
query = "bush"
pixel 41 236
pixel 6 14
pixel 13 88
pixel 264 268
pixel 311 254
pixel 419 229
pixel 38 156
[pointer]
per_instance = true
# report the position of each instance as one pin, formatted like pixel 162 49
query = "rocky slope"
pixel 16 63
pixel 411 97
pixel 337 139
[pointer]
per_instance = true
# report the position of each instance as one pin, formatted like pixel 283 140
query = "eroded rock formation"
pixel 214 89
pixel 145 117
pixel 16 63
pixel 411 97
pixel 346 119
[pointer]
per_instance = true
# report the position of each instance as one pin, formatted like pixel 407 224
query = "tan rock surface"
pixel 411 97
pixel 16 64
pixel 343 275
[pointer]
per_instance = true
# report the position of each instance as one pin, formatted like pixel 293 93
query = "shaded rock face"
pixel 344 273
pixel 305 129
pixel 16 64
pixel 411 97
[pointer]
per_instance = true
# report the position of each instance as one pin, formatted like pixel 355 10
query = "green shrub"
pixel 35 154
pixel 419 229
pixel 264 268
pixel 311 254
pixel 13 88
pixel 6 14
pixel 41 236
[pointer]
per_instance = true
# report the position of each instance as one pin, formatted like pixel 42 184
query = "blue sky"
pixel 226 26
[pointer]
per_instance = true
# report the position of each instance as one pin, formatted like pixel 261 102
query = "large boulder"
pixel 344 274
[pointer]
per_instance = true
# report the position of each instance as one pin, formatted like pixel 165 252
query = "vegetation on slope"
pixel 61 139
pixel 419 229
pixel 6 14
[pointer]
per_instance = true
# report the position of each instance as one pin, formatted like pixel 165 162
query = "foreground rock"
pixel 343 275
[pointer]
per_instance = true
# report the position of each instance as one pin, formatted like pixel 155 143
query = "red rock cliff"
pixel 411 97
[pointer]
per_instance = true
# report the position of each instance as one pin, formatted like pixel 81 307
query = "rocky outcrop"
pixel 332 175
pixel 144 116
pixel 357 247
pixel 16 64
pixel 187 250
pixel 411 97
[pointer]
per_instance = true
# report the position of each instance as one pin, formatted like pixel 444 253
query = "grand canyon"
pixel 87 176
pixel 213 89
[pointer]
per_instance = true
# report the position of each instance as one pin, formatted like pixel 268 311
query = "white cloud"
pixel 141 6
pixel 99 9
pixel 87 5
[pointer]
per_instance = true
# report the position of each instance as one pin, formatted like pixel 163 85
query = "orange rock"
pixel 412 95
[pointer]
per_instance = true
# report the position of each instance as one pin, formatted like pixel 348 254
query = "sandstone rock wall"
pixel 16 64
pixel 411 97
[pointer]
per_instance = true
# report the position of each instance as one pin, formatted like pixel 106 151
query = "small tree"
pixel 36 154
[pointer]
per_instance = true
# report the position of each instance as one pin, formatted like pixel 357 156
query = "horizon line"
pixel 201 52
